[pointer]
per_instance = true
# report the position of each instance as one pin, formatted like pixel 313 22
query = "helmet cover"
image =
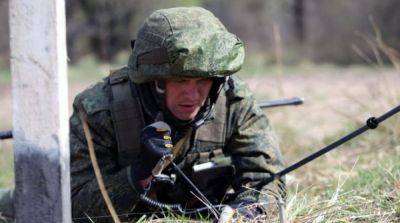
pixel 184 42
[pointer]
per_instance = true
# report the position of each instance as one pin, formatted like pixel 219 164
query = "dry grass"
pixel 359 182
pixel 333 188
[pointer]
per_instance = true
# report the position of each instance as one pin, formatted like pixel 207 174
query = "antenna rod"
pixel 371 123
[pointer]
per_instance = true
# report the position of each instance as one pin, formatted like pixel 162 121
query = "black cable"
pixel 177 207
pixel 156 204
pixel 6 134
pixel 195 188
pixel 371 123
pixel 280 102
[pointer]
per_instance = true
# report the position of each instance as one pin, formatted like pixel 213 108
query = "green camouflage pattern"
pixel 197 43
pixel 250 145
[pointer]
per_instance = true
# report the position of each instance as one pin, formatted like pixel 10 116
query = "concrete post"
pixel 40 110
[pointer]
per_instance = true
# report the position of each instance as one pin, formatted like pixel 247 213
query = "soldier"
pixel 176 98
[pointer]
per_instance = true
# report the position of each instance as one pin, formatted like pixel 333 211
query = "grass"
pixel 368 190
pixel 5 75
pixel 87 69
pixel 359 182
pixel 6 165
pixel 6 156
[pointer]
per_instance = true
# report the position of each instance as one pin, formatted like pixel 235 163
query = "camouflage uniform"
pixel 247 140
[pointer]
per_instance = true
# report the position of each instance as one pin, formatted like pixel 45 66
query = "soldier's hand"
pixel 156 144
pixel 243 212
pixel 226 215
pixel 246 211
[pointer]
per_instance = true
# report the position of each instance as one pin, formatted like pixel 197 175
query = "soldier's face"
pixel 184 97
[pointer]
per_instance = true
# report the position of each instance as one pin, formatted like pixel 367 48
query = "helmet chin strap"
pixel 159 87
pixel 215 90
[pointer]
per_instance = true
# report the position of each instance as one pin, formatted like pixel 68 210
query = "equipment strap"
pixel 127 116
pixel 215 130
pixel 156 56
pixel 179 146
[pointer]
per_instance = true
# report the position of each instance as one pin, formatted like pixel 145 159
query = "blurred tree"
pixel 105 27
pixel 104 23
pixel 334 29
pixel 387 17
pixel 318 30
pixel 255 22
pixel 298 16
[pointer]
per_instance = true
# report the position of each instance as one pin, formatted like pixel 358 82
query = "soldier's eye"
pixel 204 81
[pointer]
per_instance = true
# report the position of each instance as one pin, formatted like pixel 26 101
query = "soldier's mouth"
pixel 188 107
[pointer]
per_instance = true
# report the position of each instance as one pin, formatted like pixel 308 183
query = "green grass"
pixel 6 165
pixel 87 69
pixel 5 75
pixel 369 196
pixel 357 182
pixel 6 155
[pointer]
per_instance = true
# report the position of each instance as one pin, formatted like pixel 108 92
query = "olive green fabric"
pixel 196 42
pixel 249 144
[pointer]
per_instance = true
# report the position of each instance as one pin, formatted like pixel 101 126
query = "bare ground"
pixel 331 99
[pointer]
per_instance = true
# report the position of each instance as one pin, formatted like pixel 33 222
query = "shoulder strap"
pixel 127 116
pixel 215 131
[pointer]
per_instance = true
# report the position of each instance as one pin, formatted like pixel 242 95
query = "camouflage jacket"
pixel 249 143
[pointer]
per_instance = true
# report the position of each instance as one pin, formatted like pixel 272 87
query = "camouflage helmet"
pixel 184 42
